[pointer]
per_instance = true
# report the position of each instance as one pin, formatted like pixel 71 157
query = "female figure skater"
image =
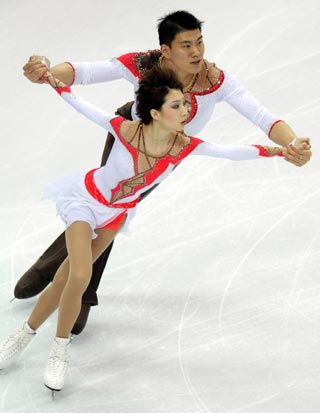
pixel 96 205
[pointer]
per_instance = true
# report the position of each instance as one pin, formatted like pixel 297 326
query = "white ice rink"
pixel 213 304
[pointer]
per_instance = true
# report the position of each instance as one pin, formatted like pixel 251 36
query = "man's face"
pixel 186 51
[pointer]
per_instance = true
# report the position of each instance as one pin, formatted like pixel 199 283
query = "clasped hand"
pixel 298 153
pixel 36 68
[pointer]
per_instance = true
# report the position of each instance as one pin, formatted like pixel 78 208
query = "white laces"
pixel 58 359
pixel 15 342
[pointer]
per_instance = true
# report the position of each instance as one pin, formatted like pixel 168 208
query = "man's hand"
pixel 298 153
pixel 36 67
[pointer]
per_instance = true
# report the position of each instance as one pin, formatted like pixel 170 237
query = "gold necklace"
pixel 190 85
pixel 149 155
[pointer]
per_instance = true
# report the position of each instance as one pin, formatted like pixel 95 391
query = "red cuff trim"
pixel 65 89
pixel 272 126
pixel 73 72
pixel 60 90
pixel 264 152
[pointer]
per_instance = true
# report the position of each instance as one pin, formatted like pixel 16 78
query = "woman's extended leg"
pixel 78 240
pixel 82 252
pixel 49 300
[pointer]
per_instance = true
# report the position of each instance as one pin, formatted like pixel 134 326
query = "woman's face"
pixel 173 112
pixel 185 52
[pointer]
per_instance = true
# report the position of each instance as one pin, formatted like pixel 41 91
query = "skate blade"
pixel 53 391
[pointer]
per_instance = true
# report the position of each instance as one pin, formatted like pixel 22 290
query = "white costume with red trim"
pixel 227 89
pixel 99 196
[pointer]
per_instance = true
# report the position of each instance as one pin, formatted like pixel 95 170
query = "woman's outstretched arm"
pixel 238 152
pixel 90 111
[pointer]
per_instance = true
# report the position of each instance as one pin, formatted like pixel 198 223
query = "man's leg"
pixel 41 273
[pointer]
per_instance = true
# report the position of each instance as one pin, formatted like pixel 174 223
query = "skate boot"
pixel 14 345
pixel 56 370
pixel 30 284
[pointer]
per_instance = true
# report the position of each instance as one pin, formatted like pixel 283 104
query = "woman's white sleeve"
pixel 90 111
pixel 86 73
pixel 233 152
pixel 245 103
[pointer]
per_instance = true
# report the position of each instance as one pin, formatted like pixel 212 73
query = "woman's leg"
pixel 82 252
pixel 49 299
pixel 78 241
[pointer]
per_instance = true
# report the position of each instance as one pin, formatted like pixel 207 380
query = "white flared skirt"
pixel 74 203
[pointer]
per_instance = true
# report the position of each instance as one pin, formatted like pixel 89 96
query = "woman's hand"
pixel 36 68
pixel 49 78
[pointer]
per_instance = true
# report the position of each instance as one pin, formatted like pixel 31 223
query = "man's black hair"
pixel 172 24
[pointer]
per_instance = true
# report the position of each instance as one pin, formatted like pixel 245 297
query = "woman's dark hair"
pixel 153 89
pixel 172 24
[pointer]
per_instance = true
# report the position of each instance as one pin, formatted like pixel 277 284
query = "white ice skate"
pixel 14 345
pixel 56 370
